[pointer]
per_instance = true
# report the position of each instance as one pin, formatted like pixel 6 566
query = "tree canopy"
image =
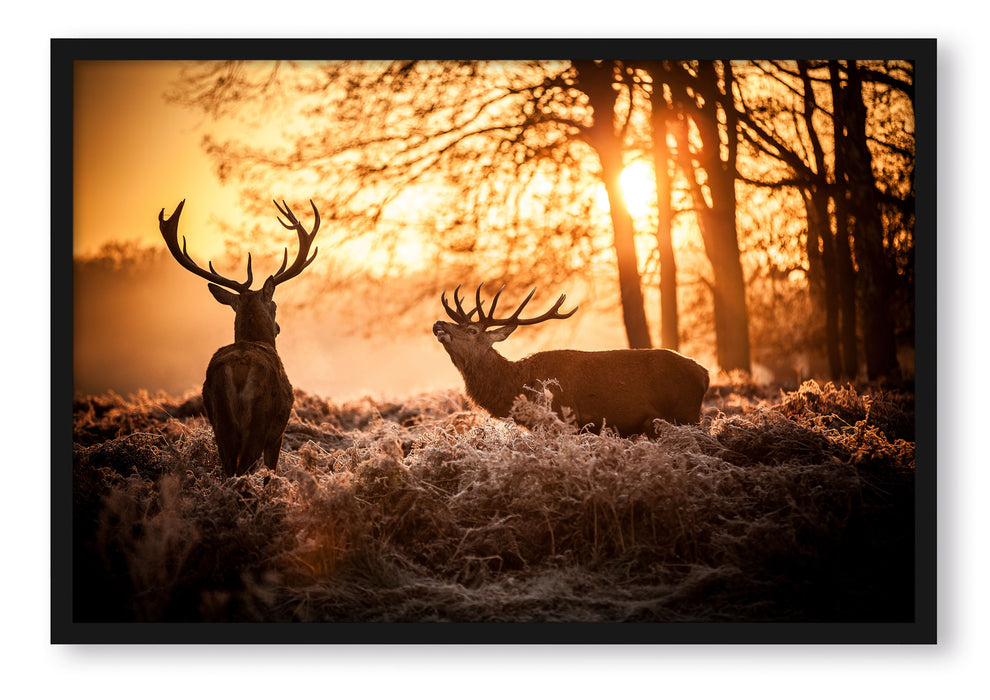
pixel 782 191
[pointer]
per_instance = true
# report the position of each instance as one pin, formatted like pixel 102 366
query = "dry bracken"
pixel 789 506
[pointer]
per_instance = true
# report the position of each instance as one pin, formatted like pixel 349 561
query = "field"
pixel 779 506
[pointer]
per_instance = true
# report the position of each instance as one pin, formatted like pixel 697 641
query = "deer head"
pixel 254 310
pixel 467 341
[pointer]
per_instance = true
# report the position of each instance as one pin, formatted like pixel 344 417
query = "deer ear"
pixel 268 291
pixel 224 296
pixel 501 333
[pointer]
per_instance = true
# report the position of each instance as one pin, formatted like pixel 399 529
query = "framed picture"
pixel 285 393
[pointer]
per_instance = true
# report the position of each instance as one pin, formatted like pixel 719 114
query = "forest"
pixel 756 215
pixel 757 211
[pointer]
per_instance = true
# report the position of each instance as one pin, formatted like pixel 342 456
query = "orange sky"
pixel 135 154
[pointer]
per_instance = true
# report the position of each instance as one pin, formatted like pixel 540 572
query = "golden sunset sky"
pixel 135 154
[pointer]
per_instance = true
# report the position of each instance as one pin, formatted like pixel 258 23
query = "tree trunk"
pixel 717 219
pixel 843 253
pixel 874 276
pixel 729 290
pixel 669 334
pixel 822 275
pixel 595 80
pixel 826 298
pixel 847 285
pixel 631 294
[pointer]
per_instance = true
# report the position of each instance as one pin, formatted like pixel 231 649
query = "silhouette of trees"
pixel 596 79
pixel 704 92
pixel 664 119
pixel 507 144
pixel 495 167
pixel 855 176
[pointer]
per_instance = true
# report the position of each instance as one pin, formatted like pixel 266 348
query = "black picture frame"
pixel 64 630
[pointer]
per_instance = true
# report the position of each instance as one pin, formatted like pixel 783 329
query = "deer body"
pixel 248 399
pixel 247 395
pixel 625 390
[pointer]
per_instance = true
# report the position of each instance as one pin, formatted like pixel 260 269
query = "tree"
pixel 705 93
pixel 844 259
pixel 822 267
pixel 861 193
pixel 661 113
pixel 493 169
pixel 509 143
pixel 596 79
pixel 858 210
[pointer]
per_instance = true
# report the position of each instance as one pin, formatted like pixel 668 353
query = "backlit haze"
pixel 135 155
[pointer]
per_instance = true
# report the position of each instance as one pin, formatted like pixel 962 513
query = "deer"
pixel 625 390
pixel 247 394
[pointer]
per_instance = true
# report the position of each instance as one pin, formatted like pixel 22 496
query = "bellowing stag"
pixel 247 394
pixel 625 390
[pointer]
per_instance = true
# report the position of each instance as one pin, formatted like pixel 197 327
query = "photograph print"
pixel 440 332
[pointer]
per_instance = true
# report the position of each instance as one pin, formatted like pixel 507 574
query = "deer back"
pixel 248 399
pixel 622 389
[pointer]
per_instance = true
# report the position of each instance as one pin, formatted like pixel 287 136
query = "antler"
pixel 305 241
pixel 488 320
pixel 459 316
pixel 170 232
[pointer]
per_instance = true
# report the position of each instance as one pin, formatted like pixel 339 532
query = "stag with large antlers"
pixel 247 394
pixel 625 390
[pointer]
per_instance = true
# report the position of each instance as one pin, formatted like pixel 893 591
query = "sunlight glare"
pixel 639 188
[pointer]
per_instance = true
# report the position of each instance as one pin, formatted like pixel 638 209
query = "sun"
pixel 639 188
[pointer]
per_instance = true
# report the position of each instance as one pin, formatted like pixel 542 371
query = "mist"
pixel 156 328
pixel 153 327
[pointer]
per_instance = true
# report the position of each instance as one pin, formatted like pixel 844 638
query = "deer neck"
pixel 491 381
pixel 251 329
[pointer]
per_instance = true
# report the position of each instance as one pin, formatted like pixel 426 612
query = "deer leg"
pixel 227 459
pixel 272 450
